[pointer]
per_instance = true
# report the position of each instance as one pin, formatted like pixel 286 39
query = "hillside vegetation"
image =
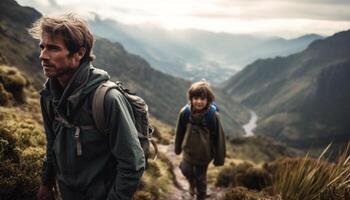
pixel 22 139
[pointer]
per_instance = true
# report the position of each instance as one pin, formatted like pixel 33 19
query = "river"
pixel 251 125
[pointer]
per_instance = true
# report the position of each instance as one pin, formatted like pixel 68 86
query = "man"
pixel 86 164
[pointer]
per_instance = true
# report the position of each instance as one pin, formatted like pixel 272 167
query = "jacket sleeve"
pixel 180 132
pixel 125 146
pixel 219 142
pixel 48 170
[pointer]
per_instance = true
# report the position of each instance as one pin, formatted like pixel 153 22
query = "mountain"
pixel 164 93
pixel 196 54
pixel 238 50
pixel 16 45
pixel 156 45
pixel 278 47
pixel 301 99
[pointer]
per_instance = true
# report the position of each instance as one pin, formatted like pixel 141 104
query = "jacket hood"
pixel 85 80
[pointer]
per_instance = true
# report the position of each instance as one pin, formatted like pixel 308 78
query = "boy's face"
pixel 199 103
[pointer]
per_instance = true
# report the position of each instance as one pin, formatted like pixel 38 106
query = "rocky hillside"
pixel 16 46
pixel 303 98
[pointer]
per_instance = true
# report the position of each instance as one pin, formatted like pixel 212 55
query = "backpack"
pixel 207 118
pixel 140 113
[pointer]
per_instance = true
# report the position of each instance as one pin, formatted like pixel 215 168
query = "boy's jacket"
pixel 199 142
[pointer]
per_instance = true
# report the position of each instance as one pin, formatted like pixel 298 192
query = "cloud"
pixel 315 2
pixel 297 9
pixel 289 18
pixel 45 7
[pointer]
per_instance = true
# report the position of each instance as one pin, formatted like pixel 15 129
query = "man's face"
pixel 55 58
pixel 199 103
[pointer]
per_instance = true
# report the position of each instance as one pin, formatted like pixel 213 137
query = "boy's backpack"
pixel 208 117
pixel 140 112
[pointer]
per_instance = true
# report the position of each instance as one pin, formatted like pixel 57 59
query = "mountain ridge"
pixel 286 92
pixel 181 52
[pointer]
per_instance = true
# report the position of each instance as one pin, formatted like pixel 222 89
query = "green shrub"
pixel 21 151
pixel 226 177
pixel 8 145
pixel 19 180
pixel 255 178
pixel 243 175
pixel 14 82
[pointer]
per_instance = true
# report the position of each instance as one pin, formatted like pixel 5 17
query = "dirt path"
pixel 180 182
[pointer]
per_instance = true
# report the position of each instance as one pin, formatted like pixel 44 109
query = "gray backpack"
pixel 140 112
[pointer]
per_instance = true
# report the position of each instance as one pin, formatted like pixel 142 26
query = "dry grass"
pixel 163 132
pixel 307 178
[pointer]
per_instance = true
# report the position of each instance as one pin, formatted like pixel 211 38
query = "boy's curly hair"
pixel 201 89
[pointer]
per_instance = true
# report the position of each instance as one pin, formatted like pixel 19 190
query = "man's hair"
pixel 201 89
pixel 74 30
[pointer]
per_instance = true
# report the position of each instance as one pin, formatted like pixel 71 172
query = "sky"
pixel 284 18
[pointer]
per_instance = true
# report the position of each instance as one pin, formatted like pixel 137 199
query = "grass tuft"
pixel 307 178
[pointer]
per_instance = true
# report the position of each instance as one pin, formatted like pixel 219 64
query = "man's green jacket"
pixel 89 164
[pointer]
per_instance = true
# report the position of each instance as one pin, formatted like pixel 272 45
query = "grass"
pixel 259 149
pixel 308 179
pixel 157 181
pixel 163 133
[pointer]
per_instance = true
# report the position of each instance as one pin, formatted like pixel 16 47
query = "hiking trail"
pixel 181 185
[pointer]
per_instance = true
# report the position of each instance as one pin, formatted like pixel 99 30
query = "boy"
pixel 200 136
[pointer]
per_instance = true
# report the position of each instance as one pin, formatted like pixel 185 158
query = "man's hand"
pixel 45 193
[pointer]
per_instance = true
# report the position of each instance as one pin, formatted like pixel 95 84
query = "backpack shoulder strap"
pixel 210 115
pixel 98 105
pixel 208 118
pixel 187 113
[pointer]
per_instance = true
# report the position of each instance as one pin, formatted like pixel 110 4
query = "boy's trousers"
pixel 196 176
